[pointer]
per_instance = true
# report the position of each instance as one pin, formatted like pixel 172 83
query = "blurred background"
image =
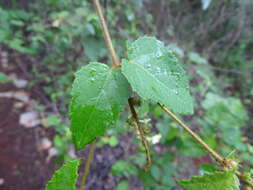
pixel 42 44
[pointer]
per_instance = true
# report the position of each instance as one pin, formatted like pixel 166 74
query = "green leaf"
pixel 65 178
pixel 215 181
pixel 123 168
pixel 3 78
pixel 94 48
pixel 98 96
pixel 233 114
pixel 155 172
pixel 156 74
pixel 196 58
pixel 123 185
pixel 113 141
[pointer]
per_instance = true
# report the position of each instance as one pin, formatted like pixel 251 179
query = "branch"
pixel 228 164
pixel 116 63
pixel 106 34
pixel 194 135
pixel 223 161
pixel 140 130
pixel 87 165
pixel 241 176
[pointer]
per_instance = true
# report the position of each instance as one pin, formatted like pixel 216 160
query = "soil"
pixel 22 165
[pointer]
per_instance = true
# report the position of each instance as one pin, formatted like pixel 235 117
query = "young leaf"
pixel 156 74
pixel 216 181
pixel 65 178
pixel 98 96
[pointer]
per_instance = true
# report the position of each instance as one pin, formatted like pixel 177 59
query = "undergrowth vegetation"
pixel 214 45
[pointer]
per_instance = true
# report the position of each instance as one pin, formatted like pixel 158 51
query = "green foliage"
pixel 155 74
pixel 123 168
pixel 219 180
pixel 112 141
pixel 160 175
pixel 196 58
pixel 123 185
pixel 56 32
pixel 3 78
pixel 99 95
pixel 65 178
pixel 11 21
pixel 228 115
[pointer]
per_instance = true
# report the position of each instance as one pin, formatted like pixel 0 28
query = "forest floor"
pixel 24 163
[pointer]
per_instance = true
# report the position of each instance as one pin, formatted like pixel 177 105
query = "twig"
pixel 87 165
pixel 242 178
pixel 193 134
pixel 106 34
pixel 223 161
pixel 143 138
pixel 116 63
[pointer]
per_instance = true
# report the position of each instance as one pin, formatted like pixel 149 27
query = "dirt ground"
pixel 23 164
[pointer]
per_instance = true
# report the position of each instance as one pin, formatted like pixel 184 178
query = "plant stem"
pixel 193 134
pixel 116 63
pixel 106 34
pixel 223 161
pixel 87 165
pixel 140 130
pixel 242 178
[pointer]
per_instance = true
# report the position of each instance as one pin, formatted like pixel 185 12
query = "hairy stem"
pixel 87 165
pixel 142 136
pixel 241 176
pixel 223 161
pixel 106 34
pixel 193 134
pixel 116 63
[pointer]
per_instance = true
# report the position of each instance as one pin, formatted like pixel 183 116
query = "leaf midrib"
pixel 90 116
pixel 150 74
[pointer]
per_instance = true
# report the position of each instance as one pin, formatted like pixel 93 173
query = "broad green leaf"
pixel 98 96
pixel 65 178
pixel 156 74
pixel 214 181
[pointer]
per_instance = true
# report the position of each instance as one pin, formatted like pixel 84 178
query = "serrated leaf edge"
pixel 196 179
pixel 57 172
